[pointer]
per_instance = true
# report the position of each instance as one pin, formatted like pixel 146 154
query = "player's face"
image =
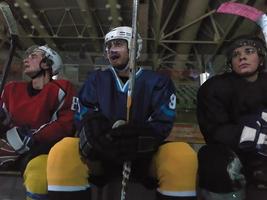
pixel 32 63
pixel 117 52
pixel 245 60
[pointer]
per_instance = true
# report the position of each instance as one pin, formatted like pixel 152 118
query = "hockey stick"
pixel 241 10
pixel 132 58
pixel 246 11
pixel 10 21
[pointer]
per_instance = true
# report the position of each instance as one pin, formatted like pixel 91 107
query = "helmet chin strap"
pixel 41 71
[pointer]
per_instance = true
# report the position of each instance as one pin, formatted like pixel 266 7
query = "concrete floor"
pixel 135 191
pixel 11 188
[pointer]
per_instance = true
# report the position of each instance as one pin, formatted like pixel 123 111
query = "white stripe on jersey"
pixel 120 85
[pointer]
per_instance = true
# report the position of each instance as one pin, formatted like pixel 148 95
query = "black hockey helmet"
pixel 246 40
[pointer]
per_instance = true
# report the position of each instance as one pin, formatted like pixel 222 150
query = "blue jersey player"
pixel 104 146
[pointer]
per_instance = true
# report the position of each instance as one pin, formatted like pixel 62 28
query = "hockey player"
pixel 232 117
pixel 34 116
pixel 103 104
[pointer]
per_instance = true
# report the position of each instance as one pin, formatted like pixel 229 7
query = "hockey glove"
pixel 261 145
pixel 133 142
pixel 95 142
pixel 253 136
pixel 20 139
pixel 4 121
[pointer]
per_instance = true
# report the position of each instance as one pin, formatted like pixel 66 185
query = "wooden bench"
pixel 186 133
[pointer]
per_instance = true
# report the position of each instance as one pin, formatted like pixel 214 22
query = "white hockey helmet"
pixel 54 57
pixel 124 32
pixel 49 54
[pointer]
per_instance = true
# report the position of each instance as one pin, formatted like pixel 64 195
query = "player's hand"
pixel 95 142
pixel 134 141
pixel 261 145
pixel 20 139
pixel 253 136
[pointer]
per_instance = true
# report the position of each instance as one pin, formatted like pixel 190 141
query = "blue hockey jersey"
pixel 153 103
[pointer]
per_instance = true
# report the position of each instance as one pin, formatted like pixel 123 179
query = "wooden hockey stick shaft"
pixel 132 65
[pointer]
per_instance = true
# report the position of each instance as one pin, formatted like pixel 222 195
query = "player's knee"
pixel 177 168
pixel 220 173
pixel 65 170
pixel 35 178
pixel 179 157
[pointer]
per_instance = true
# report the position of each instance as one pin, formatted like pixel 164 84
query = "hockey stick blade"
pixel 9 20
pixel 239 9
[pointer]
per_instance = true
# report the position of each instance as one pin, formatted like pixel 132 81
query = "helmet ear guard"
pixel 52 59
pixel 47 61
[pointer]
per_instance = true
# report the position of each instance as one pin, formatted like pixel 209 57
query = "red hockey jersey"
pixel 49 112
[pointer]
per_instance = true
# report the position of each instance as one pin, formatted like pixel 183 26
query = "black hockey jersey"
pixel 224 102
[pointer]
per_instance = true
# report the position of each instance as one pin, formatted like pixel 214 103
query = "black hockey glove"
pixel 261 145
pixel 20 139
pixel 134 142
pixel 253 136
pixel 95 142
pixel 4 121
